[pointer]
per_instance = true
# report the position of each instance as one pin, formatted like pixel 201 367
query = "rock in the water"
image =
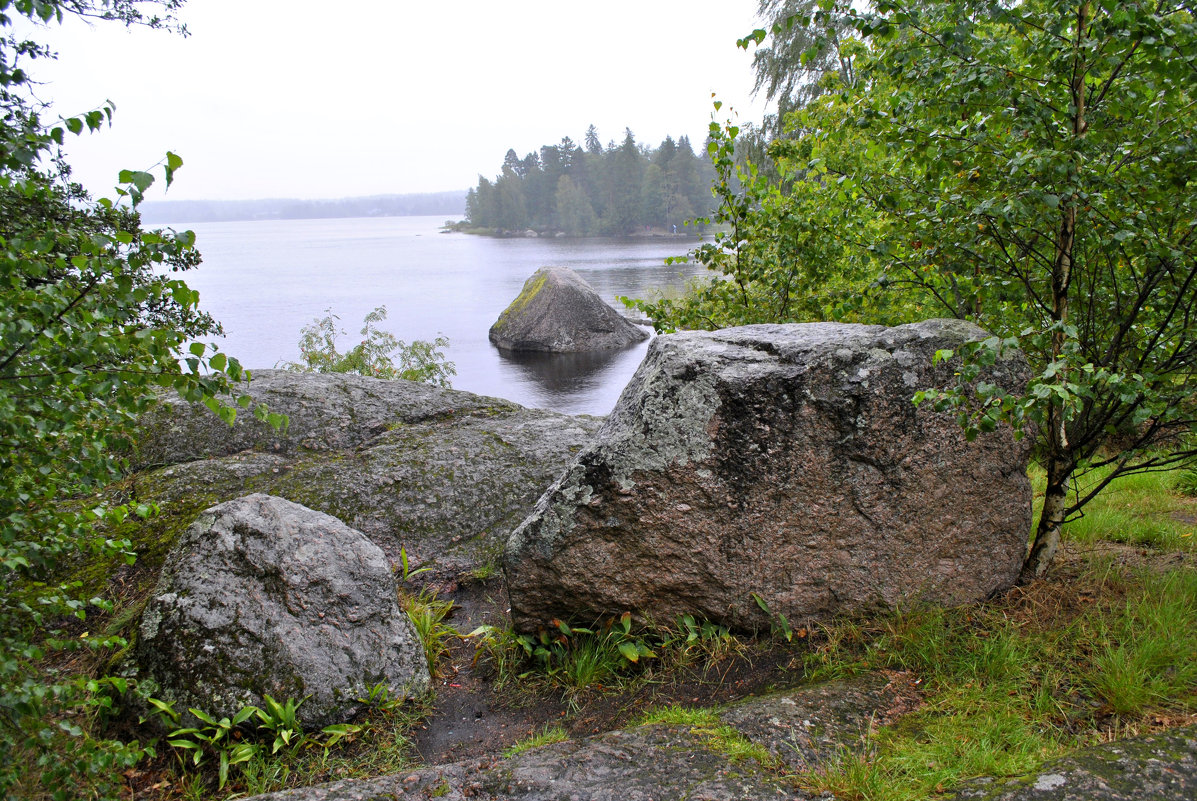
pixel 1158 767
pixel 261 597
pixel 443 474
pixel 559 312
pixel 786 462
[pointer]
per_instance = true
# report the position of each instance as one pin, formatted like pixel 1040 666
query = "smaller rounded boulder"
pixel 558 312
pixel 262 596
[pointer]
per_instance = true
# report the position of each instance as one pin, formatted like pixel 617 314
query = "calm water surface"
pixel 265 280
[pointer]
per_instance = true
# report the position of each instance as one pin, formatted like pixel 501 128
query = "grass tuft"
pixel 552 734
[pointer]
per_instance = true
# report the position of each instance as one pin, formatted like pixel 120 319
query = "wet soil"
pixel 470 718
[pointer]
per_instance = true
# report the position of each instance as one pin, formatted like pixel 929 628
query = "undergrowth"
pixel 1012 683
pixel 607 656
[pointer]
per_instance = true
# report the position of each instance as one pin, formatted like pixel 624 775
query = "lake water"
pixel 265 280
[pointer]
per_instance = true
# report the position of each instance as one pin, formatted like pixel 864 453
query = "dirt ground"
pixel 470 718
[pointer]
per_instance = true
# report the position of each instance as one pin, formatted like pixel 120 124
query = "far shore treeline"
pixel 423 203
pixel 588 189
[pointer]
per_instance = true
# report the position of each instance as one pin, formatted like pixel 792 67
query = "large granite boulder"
pixel 443 474
pixel 261 597
pixel 559 312
pixel 786 462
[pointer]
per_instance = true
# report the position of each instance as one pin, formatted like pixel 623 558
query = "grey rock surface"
pixel 658 762
pixel 263 596
pixel 557 311
pixel 786 461
pixel 1158 767
pixel 443 474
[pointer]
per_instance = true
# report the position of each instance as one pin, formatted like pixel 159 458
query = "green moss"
pixel 531 289
pixel 717 736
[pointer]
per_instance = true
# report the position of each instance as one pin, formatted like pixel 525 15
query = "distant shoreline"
pixel 424 204
pixel 463 227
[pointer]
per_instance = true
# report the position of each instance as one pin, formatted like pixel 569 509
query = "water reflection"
pixel 576 383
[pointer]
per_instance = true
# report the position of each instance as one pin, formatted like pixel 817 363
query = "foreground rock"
pixel 443 474
pixel 785 462
pixel 794 730
pixel 559 312
pixel 1159 767
pixel 266 597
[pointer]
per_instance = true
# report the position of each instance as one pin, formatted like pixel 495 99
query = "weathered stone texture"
pixel 1158 767
pixel 786 461
pixel 261 597
pixel 443 474
pixel 805 728
pixel 557 311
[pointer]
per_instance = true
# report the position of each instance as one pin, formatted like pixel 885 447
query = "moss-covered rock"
pixel 558 312
pixel 441 474
pixel 1158 767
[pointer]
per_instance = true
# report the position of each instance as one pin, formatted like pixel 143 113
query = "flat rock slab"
pixel 814 726
pixel 558 312
pixel 1158 767
pixel 783 465
pixel 660 762
pixel 444 475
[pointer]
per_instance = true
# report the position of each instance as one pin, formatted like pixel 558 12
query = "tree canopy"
pixel 584 192
pixel 1030 166
pixel 95 321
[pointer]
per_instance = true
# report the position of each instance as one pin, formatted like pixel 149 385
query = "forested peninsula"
pixel 590 190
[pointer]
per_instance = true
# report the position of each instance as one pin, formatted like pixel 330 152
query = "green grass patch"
pixel 551 734
pixel 715 734
pixel 1145 509
pixel 1013 683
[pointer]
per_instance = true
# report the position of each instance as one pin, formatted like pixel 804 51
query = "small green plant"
pixel 574 657
pixel 211 739
pixel 405 567
pixel 380 354
pixel 428 613
pixel 1186 482
pixel 226 740
pixel 552 734
pixel 778 623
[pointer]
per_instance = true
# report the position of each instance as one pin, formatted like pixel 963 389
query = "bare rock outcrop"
pixel 785 462
pixel 1154 767
pixel 799 729
pixel 558 312
pixel 261 597
pixel 442 474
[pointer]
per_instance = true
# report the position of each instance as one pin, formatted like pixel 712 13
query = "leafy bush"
pixel 95 323
pixel 374 356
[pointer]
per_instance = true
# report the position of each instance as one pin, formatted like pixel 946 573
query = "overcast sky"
pixel 291 98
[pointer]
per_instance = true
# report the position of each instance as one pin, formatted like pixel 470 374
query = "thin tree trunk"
pixel 1059 462
pixel 1051 521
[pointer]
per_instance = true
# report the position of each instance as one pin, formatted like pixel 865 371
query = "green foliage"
pixel 374 356
pixel 547 736
pixel 778 623
pixel 1028 166
pixel 95 323
pixel 1138 509
pixel 428 614
pixel 574 658
pixel 593 191
pixel 1008 685
pixel 221 741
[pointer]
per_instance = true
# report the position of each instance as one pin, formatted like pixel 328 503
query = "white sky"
pixel 295 98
